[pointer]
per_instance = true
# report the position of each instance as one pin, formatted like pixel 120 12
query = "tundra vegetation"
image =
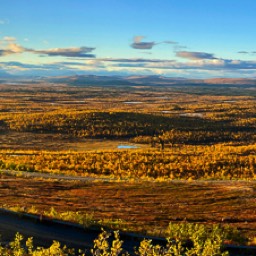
pixel 183 239
pixel 194 159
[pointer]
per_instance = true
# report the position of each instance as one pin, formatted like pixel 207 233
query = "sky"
pixel 173 38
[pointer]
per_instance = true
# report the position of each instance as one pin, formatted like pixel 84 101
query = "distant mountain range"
pixel 83 80
pixel 4 74
pixel 86 80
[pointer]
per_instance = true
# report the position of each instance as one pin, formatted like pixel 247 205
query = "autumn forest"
pixel 146 155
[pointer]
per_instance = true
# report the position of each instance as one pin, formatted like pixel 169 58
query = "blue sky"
pixel 176 38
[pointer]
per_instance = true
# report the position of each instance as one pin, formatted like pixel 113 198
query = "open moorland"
pixel 156 154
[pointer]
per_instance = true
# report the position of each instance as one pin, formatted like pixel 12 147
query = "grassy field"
pixel 145 207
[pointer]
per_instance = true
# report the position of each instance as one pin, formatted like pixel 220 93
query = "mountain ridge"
pixel 148 80
pixel 86 80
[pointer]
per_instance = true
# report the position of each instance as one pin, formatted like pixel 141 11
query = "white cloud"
pixel 15 48
pixel 9 39
pixel 11 47
pixel 80 52
pixel 235 62
pixel 138 44
pixel 194 55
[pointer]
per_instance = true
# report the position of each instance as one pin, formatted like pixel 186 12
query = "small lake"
pixel 132 102
pixel 167 111
pixel 193 114
pixel 126 146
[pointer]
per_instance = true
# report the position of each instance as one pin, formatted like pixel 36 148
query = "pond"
pixel 126 146
pixel 167 112
pixel 193 114
pixel 132 102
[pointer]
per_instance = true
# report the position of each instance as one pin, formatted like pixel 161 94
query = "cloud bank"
pixel 196 68
pixel 82 60
pixel 11 47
